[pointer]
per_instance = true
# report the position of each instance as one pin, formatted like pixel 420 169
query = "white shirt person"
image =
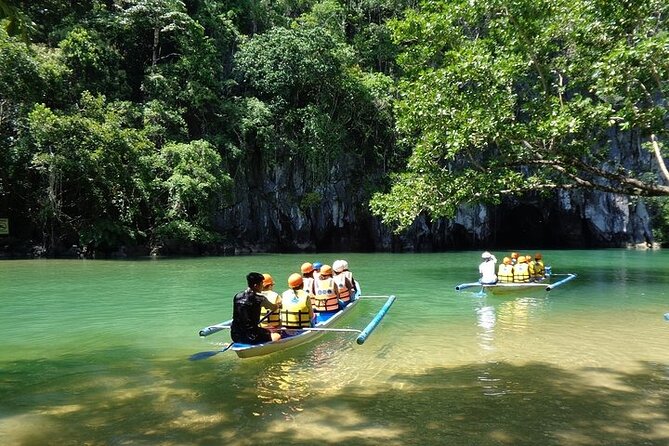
pixel 487 269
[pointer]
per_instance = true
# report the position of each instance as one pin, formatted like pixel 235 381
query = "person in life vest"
pixel 270 318
pixel 349 274
pixel 537 269
pixel 487 269
pixel 514 258
pixel 246 313
pixel 346 287
pixel 307 277
pixel 296 310
pixel 521 270
pixel 326 296
pixel 505 271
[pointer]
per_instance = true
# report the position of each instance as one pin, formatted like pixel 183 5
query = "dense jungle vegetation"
pixel 127 121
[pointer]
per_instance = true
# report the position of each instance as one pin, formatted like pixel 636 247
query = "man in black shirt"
pixel 246 314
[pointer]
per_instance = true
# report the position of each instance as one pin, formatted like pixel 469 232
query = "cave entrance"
pixel 522 227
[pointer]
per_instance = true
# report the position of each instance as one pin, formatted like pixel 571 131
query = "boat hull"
pixel 551 282
pixel 512 288
pixel 253 350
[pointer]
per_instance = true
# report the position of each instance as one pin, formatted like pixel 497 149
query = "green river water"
pixel 96 352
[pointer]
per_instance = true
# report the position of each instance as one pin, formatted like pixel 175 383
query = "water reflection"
pixel 514 315
pixel 285 385
pixel 486 319
pixel 517 314
pixel 300 374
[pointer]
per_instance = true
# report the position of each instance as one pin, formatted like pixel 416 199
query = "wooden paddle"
pixel 209 354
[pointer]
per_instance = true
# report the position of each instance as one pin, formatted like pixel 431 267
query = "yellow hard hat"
pixel 326 270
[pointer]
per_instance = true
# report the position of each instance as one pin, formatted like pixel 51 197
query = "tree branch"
pixel 625 184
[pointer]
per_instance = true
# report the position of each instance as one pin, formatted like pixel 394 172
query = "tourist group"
pixel 261 315
pixel 513 269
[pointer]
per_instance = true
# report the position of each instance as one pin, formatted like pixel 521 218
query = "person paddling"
pixel 246 313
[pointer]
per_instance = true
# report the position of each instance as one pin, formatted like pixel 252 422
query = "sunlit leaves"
pixel 498 88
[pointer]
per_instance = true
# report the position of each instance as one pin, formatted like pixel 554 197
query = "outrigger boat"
pixel 546 284
pixel 324 321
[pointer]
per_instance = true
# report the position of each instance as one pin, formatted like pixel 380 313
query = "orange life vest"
pixel 325 298
pixel 344 291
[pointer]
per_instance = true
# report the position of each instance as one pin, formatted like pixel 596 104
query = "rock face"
pixel 289 208
pixel 283 212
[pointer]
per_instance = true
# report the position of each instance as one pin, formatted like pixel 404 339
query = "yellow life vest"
pixel 325 298
pixel 521 273
pixel 273 320
pixel 537 269
pixel 344 291
pixel 295 309
pixel 505 273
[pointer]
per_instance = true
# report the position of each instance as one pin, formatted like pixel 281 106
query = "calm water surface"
pixel 96 353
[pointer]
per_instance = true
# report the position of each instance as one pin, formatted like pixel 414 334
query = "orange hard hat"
pixel 295 280
pixel 506 260
pixel 307 268
pixel 514 255
pixel 538 256
pixel 326 270
pixel 267 281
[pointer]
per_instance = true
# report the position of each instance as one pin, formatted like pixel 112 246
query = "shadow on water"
pixel 108 398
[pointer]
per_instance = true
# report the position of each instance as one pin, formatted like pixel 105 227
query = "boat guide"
pixel 324 322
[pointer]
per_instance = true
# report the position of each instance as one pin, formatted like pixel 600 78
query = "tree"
pixel 100 182
pixel 188 188
pixel 14 21
pixel 502 98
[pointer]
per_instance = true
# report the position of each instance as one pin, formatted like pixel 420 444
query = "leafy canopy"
pixel 504 97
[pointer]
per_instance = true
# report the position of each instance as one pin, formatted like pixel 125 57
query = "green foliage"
pixel 94 65
pixel 659 209
pixel 89 171
pixel 118 117
pixel 310 200
pixel 500 98
pixel 19 72
pixel 294 65
pixel 13 21
pixel 104 180
pixel 310 102
pixel 191 179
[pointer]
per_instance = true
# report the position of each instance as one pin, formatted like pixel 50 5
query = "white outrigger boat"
pixel 546 284
pixel 324 322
